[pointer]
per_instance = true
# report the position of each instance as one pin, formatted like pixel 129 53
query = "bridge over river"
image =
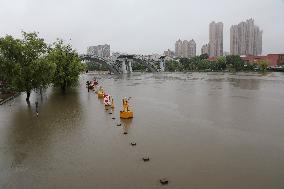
pixel 123 63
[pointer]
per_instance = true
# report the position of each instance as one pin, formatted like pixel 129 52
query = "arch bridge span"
pixel 123 63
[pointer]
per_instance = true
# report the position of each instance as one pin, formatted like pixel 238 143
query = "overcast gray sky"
pixel 140 26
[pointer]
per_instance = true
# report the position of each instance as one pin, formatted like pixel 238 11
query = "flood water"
pixel 200 130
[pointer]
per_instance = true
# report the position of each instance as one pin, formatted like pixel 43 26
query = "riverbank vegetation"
pixel 29 63
pixel 232 63
pixel 202 63
pixel 94 66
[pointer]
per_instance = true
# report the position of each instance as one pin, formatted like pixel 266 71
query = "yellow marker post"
pixel 126 113
pixel 112 103
pixel 101 92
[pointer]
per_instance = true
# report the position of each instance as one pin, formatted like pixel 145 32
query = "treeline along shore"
pixel 230 63
pixel 29 63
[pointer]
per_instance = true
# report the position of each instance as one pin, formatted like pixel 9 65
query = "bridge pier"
pixel 130 66
pixel 123 67
pixel 162 65
pixel 126 66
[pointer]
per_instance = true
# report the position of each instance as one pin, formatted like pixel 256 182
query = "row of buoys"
pixel 125 113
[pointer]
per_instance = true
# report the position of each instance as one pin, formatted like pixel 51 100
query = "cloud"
pixel 140 26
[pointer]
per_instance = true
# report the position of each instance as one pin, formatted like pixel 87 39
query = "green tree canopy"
pixel 94 66
pixel 24 62
pixel 185 62
pixel 221 63
pixel 204 56
pixel 68 65
pixel 10 55
pixel 263 64
pixel 235 62
pixel 173 66
pixel 281 63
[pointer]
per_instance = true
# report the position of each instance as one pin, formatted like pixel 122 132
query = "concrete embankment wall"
pixel 9 98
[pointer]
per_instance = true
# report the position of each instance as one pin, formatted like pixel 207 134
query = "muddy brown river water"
pixel 200 130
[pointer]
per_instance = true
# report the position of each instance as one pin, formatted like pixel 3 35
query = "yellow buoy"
pixel 101 92
pixel 112 103
pixel 126 113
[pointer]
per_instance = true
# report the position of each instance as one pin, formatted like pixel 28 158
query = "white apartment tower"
pixel 216 39
pixel 178 48
pixel 245 39
pixel 192 49
pixel 185 49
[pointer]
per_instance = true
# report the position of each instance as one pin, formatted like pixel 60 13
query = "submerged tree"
pixel 5 65
pixel 24 62
pixel 68 65
pixel 10 55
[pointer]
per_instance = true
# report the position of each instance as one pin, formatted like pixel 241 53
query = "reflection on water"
pixel 126 124
pixel 249 84
pixel 29 137
pixel 200 130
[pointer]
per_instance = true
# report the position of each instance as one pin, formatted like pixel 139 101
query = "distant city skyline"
pixel 143 27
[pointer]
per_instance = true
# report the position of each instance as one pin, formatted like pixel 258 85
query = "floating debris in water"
pixel 125 133
pixel 133 143
pixel 164 181
pixel 146 159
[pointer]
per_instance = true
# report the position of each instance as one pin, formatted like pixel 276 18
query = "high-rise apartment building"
pixel 245 39
pixel 169 53
pixel 178 48
pixel 99 50
pixel 215 39
pixel 192 49
pixel 185 49
pixel 205 49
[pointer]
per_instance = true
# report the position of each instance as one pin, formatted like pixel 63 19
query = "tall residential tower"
pixel 215 39
pixel 178 48
pixel 185 49
pixel 191 49
pixel 245 39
